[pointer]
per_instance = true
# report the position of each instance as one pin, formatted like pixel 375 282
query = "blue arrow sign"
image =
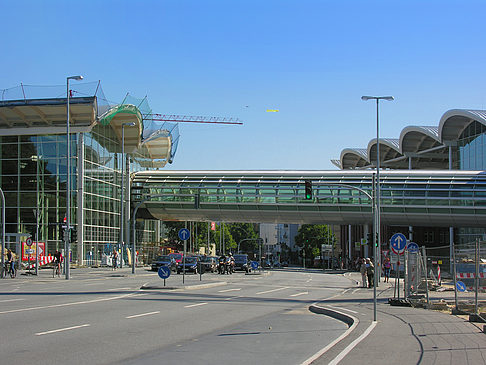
pixel 184 234
pixel 398 243
pixel 164 272
pixel 461 286
pixel 254 265
pixel 412 247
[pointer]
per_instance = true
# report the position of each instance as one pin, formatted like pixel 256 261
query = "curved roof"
pixel 418 138
pixel 389 149
pixel 354 157
pixel 455 121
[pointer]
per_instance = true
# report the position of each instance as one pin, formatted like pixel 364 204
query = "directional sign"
pixel 254 265
pixel 412 247
pixel 28 241
pixel 184 234
pixel 461 286
pixel 164 272
pixel 398 243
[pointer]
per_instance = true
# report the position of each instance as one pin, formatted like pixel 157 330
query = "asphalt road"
pixel 102 317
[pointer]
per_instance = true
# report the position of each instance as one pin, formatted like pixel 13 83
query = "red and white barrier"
pixel 470 275
pixel 43 260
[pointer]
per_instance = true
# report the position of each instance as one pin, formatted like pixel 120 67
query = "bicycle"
pixel 9 269
pixel 56 269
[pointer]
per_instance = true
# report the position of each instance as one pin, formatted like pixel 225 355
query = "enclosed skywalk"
pixel 408 197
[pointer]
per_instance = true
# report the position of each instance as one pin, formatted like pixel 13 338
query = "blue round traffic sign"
pixel 398 243
pixel 412 247
pixel 460 286
pixel 164 272
pixel 184 234
pixel 254 265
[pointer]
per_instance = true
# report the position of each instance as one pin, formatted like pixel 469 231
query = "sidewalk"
pixel 403 335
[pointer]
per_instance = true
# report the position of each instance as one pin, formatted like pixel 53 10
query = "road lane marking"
pixel 114 289
pixel 355 290
pixel 271 291
pixel 298 294
pixel 231 298
pixel 321 352
pixel 62 329
pixel 68 304
pixel 353 344
pixel 10 300
pixel 143 314
pixel 195 305
pixel 227 290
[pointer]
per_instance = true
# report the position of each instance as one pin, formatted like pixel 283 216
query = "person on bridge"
pixel 362 270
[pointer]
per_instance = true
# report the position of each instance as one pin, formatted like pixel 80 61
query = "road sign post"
pixel 184 235
pixel 164 272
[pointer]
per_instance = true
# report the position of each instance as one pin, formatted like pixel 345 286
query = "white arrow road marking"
pixel 62 329
pixel 143 314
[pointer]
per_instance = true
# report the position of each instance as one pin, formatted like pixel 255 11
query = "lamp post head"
pixel 387 98
pixel 78 77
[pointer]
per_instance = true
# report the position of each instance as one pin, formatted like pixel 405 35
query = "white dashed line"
pixel 61 330
pixel 195 305
pixel 10 300
pixel 143 314
pixel 298 294
pixel 271 291
pixel 227 290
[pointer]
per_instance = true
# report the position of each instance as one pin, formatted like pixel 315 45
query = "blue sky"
pixel 311 60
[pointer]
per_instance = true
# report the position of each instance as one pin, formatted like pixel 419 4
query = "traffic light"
pixel 61 233
pixel 74 234
pixel 308 189
pixel 369 238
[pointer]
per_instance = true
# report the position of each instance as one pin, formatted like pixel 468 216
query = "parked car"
pixel 242 262
pixel 163 261
pixel 190 264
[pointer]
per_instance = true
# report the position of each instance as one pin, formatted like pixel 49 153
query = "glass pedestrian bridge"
pixel 408 197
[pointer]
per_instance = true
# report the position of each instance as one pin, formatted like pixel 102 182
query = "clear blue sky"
pixel 311 60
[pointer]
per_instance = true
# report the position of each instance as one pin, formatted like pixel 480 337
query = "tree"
pixel 311 236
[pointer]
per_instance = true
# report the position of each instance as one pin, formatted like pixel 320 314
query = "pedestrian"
pixel 370 272
pixel 362 270
pixel 11 262
pixel 387 267
pixel 114 258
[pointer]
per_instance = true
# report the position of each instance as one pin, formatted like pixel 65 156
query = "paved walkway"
pixel 402 335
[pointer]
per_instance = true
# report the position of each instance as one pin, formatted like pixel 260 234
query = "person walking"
pixel 370 272
pixel 114 258
pixel 362 270
pixel 387 267
pixel 11 263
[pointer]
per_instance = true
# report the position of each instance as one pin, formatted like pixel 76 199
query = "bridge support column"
pixel 365 234
pixel 349 243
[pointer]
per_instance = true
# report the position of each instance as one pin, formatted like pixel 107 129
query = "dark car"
pixel 164 261
pixel 190 264
pixel 209 263
pixel 242 262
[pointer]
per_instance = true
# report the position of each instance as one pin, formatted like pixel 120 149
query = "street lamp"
pixel 122 197
pixel 377 253
pixel 67 232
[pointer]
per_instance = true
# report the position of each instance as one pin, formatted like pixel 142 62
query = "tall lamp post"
pixel 122 197
pixel 67 232
pixel 377 253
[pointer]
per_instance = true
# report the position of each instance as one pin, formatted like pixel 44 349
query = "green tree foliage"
pixel 245 235
pixel 311 236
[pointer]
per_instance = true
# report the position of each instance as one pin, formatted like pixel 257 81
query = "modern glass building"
pixel 457 143
pixel 33 165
